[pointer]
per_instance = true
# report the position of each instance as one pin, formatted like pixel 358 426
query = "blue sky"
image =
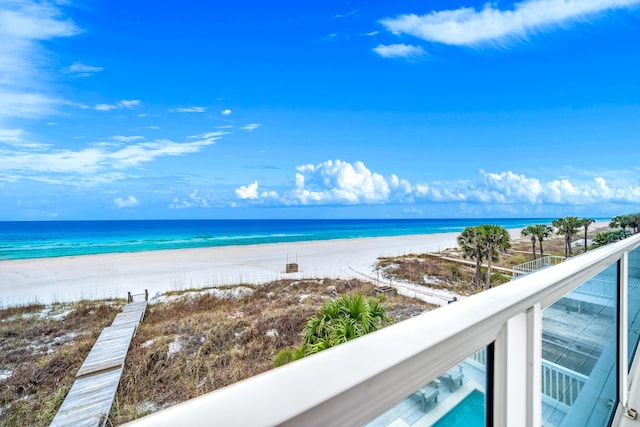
pixel 332 109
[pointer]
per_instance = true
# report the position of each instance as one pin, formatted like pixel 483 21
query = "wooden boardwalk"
pixel 91 396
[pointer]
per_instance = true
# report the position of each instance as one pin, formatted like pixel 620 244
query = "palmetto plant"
pixel 343 319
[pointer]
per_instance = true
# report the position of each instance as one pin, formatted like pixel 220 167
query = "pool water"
pixel 468 413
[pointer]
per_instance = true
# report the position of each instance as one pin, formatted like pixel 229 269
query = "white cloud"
pixel 251 127
pixel 127 202
pixel 105 107
pixel 468 26
pixel 248 191
pixel 511 188
pixel 209 136
pixel 340 182
pixel 25 105
pixel 82 70
pixel 194 200
pixel 333 182
pixel 399 51
pixel 18 138
pixel 226 112
pixel 94 164
pixel 12 136
pixel 129 103
pixel 347 14
pixel 24 61
pixel 121 138
pixel 191 110
pixel 122 104
pixel 330 37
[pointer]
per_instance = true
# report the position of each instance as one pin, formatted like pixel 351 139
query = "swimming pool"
pixel 468 413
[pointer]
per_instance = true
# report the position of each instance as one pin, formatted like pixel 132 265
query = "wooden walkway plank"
pixel 89 400
pixel 91 396
pixel 109 351
pixel 131 317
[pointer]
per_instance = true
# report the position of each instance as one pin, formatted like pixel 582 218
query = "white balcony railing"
pixel 352 383
pixel 536 264
pixel 560 384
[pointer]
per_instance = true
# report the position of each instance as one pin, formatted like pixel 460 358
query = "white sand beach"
pixel 49 280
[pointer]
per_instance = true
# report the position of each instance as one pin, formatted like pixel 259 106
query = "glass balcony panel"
pixel 634 303
pixel 455 399
pixel 579 354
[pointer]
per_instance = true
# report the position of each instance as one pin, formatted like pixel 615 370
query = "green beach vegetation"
pixel 537 232
pixel 484 242
pixel 567 226
pixel 339 320
pixel 619 225
pixel 196 341
pixel 191 342
pixel 447 270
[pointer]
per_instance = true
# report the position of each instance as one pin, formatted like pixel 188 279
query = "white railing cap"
pixel 351 383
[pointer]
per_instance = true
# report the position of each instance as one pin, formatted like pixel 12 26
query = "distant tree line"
pixel 621 223
pixel 569 226
pixel 486 242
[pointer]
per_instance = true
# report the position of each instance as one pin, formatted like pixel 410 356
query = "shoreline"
pixel 65 279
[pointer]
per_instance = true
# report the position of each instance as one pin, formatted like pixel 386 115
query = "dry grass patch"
pixel 41 349
pixel 428 270
pixel 193 343
pixel 200 342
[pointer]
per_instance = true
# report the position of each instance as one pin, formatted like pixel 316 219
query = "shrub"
pixel 282 358
pixel 498 278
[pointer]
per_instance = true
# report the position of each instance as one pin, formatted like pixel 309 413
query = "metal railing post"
pixel 534 366
pixel 623 331
pixel 510 373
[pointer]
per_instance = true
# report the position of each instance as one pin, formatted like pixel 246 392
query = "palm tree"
pixel 471 244
pixel 343 319
pixel 585 223
pixel 529 231
pixel 568 227
pixel 539 231
pixel 634 221
pixel 483 242
pixel 542 231
pixel 622 221
pixel 495 240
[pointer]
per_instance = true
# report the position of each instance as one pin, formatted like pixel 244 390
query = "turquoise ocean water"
pixel 21 240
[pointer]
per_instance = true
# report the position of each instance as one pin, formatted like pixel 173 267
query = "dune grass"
pixel 190 343
pixel 41 349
